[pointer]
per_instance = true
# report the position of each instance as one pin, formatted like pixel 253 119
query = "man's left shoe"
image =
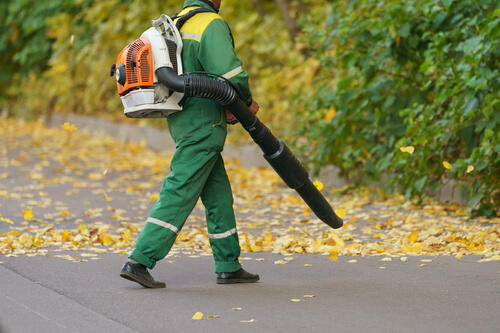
pixel 240 276
pixel 139 273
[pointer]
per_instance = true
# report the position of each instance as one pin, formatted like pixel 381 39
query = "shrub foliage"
pixel 77 41
pixel 409 91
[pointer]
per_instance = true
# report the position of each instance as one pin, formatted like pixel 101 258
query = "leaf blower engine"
pixel 151 84
pixel 135 71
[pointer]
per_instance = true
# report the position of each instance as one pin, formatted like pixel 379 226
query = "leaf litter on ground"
pixel 117 183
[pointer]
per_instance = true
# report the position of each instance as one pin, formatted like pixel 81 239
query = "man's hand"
pixel 254 107
pixel 230 119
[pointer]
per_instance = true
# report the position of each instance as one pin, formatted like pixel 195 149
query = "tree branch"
pixel 291 23
pixel 259 6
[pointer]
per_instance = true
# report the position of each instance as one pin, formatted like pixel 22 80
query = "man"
pixel 197 168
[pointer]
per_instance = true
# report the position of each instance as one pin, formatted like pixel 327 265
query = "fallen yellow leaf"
pixel 7 220
pixel 341 212
pixel 64 213
pixel 28 214
pixel 26 240
pixel 66 236
pixel 95 176
pixel 333 257
pixel 197 316
pixel 247 321
pixel 318 184
pixel 107 240
pixel 83 229
pixel 69 127
pixel 413 237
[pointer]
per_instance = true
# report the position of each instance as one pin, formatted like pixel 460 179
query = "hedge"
pixel 408 92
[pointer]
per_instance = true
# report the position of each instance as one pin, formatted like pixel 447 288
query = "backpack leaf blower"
pixel 151 84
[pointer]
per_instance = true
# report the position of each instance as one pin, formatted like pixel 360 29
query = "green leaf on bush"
pixel 471 106
pixel 419 184
pixel 472 44
pixel 404 31
pixel 474 201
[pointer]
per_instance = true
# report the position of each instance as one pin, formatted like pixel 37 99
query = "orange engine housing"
pixel 138 62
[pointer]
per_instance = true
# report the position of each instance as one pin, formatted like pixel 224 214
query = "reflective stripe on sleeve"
pixel 188 35
pixel 222 235
pixel 162 224
pixel 234 72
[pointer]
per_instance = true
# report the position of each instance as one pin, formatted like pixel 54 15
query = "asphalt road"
pixel 41 294
pixel 49 294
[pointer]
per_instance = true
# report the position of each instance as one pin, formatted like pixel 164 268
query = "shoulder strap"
pixel 183 19
pixel 231 34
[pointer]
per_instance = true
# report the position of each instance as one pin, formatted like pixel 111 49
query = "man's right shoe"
pixel 240 276
pixel 139 273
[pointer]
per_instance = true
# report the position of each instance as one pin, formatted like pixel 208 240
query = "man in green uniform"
pixel 197 168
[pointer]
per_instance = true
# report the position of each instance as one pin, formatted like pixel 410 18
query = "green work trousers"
pixel 197 169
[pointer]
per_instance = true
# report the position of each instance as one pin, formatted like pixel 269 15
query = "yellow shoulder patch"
pixel 198 23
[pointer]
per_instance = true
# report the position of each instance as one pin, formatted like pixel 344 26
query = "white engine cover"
pixel 157 102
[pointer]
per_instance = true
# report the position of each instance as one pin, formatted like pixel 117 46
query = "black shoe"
pixel 240 276
pixel 139 273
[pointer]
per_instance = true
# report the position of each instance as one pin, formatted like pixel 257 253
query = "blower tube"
pixel 275 151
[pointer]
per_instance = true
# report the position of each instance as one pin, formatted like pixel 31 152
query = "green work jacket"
pixel 208 47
